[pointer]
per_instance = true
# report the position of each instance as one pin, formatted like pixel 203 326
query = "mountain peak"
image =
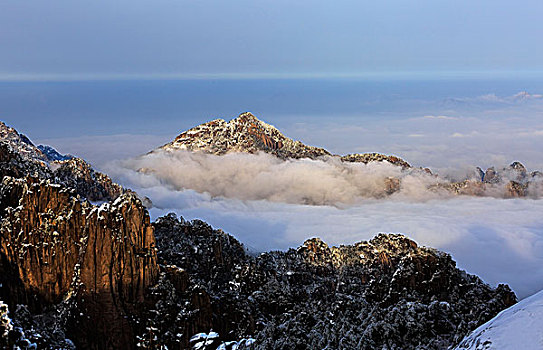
pixel 246 134
pixel 20 143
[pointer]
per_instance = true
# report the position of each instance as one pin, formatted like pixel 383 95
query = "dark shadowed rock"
pixel 384 292
pixel 52 154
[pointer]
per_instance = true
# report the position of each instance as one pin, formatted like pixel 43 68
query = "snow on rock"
pixel 20 158
pixel 518 327
pixel 211 341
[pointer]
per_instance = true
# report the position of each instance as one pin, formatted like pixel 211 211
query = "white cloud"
pixel 263 202
pixel 265 177
pixel 439 117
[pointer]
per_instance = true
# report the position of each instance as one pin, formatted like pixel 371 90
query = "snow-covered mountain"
pixel 248 134
pixel 518 327
pixel 243 134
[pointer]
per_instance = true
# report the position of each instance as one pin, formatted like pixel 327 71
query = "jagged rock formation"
pixel 387 292
pixel 243 134
pixel 55 247
pixel 78 174
pixel 20 143
pixel 510 182
pixel 20 158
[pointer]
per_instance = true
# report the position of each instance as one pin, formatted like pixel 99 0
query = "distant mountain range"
pixel 247 134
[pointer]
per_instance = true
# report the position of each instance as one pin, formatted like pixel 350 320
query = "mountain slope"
pixel 248 134
pixel 243 134
pixel 518 327
pixel 20 158
pixel 385 293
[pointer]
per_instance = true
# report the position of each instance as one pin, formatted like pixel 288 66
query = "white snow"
pixel 518 327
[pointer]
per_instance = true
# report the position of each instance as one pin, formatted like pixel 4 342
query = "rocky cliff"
pixel 56 248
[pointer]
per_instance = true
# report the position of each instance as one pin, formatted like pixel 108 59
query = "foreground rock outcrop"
pixel 56 248
pixel 387 292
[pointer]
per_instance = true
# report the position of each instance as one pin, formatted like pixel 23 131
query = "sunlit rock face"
pixel 55 247
pixel 243 134
pixel 248 134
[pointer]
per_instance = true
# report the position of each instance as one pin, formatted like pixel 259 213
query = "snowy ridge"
pixel 20 143
pixel 518 327
pixel 243 134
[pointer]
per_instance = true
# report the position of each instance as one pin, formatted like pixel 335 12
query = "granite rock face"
pixel 55 248
pixel 248 134
pixel 243 134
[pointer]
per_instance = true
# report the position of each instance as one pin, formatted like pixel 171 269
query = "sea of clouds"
pixel 272 204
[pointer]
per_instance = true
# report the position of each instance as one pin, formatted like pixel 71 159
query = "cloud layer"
pixel 263 201
pixel 264 177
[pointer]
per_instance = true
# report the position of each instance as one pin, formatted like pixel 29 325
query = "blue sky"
pixel 61 40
